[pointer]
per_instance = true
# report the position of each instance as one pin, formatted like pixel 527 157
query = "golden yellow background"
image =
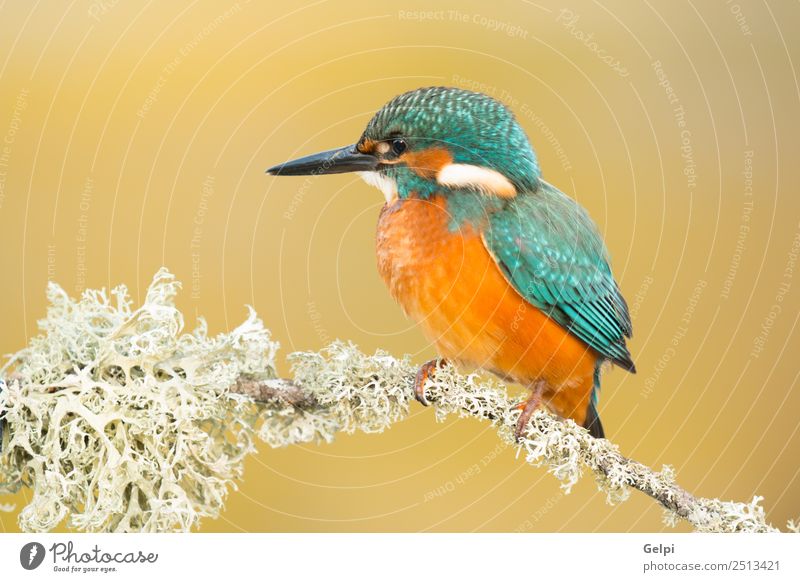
pixel 135 135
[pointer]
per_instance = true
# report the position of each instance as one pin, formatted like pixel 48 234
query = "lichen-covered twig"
pixel 267 391
pixel 563 447
pixel 118 420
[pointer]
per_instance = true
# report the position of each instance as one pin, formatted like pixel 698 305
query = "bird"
pixel 501 270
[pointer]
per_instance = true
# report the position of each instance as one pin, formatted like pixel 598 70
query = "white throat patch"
pixel 486 180
pixel 383 183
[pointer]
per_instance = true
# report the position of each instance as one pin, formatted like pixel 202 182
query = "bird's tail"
pixel 592 422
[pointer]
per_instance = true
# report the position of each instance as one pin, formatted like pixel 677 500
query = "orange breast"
pixel 450 284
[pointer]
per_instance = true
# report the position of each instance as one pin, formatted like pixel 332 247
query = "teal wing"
pixel 550 250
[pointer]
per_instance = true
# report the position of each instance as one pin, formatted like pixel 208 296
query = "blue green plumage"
pixel 475 128
pixel 543 241
pixel 551 252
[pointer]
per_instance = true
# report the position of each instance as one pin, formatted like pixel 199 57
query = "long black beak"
pixel 338 161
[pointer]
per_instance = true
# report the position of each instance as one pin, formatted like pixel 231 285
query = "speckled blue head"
pixel 473 128
pixel 436 140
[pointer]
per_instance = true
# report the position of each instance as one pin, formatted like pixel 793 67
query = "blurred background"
pixel 136 134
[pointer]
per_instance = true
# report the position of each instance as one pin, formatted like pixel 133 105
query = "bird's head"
pixel 436 139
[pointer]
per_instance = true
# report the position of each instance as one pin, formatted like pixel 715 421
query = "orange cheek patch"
pixel 427 163
pixel 367 146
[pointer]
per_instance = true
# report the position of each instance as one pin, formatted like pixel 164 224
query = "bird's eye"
pixel 399 146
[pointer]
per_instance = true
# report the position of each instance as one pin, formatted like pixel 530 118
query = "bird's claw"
pixel 422 377
pixel 528 408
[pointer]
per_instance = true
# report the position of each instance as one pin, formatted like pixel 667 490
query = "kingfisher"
pixel 501 270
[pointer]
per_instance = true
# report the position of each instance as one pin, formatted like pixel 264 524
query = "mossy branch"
pixel 120 421
pixel 564 448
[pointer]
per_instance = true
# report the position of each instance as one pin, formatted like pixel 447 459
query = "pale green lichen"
pixel 352 391
pixel 119 420
pixel 713 515
pixel 370 392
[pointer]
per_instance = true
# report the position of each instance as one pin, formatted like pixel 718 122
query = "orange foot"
pixel 422 376
pixel 528 408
